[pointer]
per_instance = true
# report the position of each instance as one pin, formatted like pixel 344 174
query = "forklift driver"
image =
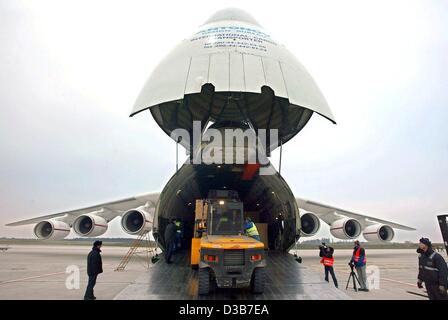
pixel 224 223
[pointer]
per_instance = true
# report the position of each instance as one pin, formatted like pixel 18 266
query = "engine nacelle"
pixel 378 233
pixel 310 224
pixel 90 225
pixel 51 230
pixel 346 228
pixel 136 221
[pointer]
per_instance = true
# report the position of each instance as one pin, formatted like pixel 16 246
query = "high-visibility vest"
pixel 358 255
pixel 428 267
pixel 328 262
pixel 252 231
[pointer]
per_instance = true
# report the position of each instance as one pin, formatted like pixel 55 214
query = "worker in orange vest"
pixel 326 253
pixel 359 261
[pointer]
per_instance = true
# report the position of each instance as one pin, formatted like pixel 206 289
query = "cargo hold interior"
pixel 264 198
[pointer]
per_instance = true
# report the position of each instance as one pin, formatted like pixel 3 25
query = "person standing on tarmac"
pixel 433 271
pixel 177 244
pixel 251 229
pixel 359 261
pixel 94 268
pixel 326 253
pixel 280 224
pixel 170 240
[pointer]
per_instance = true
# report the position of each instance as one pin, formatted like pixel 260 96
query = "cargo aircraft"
pixel 230 74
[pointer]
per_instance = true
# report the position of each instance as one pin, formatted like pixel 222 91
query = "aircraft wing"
pixel 330 214
pixel 107 210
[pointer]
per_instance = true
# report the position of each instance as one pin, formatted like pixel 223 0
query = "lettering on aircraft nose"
pixel 233 37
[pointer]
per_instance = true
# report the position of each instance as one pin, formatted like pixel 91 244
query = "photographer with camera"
pixel 359 262
pixel 326 253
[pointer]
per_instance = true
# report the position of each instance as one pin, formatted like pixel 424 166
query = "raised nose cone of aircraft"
pixel 231 69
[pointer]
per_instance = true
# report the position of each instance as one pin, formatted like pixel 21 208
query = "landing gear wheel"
pixel 204 281
pixel 258 280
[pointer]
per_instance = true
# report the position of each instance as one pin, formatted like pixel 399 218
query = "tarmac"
pixel 393 273
pixel 40 272
pixel 285 280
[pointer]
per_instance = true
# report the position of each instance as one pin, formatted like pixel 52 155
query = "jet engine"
pixel 90 225
pixel 51 229
pixel 310 224
pixel 136 221
pixel 346 228
pixel 378 233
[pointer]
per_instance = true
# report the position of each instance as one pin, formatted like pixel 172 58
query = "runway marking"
pixel 34 277
pixel 397 281
pixel 386 279
pixel 40 276
pixel 391 280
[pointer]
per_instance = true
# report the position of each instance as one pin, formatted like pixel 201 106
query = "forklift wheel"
pixel 204 281
pixel 258 280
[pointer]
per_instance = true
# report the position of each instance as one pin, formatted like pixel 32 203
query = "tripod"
pixel 354 277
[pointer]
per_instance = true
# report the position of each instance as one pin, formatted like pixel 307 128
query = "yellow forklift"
pixel 220 249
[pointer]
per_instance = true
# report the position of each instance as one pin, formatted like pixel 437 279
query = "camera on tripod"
pixel 353 277
pixel 323 246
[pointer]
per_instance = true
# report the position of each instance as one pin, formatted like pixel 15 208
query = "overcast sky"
pixel 70 72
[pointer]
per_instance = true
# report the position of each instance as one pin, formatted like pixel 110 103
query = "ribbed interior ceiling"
pixel 262 111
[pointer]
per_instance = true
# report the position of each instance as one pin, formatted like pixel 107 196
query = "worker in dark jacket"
pixel 326 253
pixel 94 268
pixel 170 240
pixel 433 271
